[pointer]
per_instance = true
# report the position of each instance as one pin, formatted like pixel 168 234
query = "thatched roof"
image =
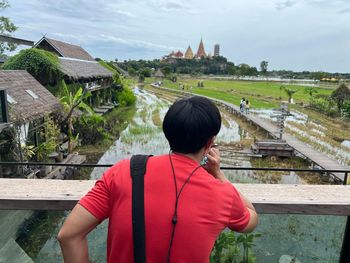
pixel 27 108
pixel 159 74
pixel 63 49
pixel 75 62
pixel 79 69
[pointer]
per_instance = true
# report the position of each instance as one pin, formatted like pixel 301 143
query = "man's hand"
pixel 213 164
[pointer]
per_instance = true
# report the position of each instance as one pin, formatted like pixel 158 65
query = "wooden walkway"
pixel 32 194
pixel 316 157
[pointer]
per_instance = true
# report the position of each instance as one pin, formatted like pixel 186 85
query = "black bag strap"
pixel 137 170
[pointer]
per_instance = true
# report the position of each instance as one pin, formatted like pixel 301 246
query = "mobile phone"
pixel 204 160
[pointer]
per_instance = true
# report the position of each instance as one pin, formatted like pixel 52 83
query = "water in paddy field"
pixel 310 239
pixel 144 135
pixel 304 126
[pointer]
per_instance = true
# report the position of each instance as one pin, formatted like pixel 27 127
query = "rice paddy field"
pixel 261 94
pixel 326 134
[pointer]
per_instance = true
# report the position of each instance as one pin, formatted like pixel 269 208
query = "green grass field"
pixel 260 94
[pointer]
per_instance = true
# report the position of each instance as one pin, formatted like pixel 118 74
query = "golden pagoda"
pixel 201 51
pixel 189 53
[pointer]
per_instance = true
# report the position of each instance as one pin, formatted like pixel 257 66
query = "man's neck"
pixel 194 156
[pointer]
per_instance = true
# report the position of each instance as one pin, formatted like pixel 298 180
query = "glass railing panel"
pixel 31 235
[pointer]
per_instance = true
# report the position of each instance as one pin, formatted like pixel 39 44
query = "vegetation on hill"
pixel 221 66
pixel 216 65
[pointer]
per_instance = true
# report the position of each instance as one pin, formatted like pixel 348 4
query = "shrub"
pixel 323 104
pixel 340 95
pixel 41 64
pixel 125 97
pixel 50 135
pixel 346 109
pixel 90 129
pixel 231 248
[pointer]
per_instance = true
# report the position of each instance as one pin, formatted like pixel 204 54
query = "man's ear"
pixel 209 144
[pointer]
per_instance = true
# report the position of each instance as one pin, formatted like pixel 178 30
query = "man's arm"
pixel 254 219
pixel 213 167
pixel 72 235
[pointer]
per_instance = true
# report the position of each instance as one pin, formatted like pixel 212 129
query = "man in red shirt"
pixel 177 186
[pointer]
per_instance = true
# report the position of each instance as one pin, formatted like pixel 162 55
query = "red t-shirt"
pixel 206 206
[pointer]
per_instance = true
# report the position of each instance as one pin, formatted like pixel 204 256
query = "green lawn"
pixel 260 94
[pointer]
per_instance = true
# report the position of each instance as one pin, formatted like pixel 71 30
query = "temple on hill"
pixel 179 54
pixel 188 54
pixel 201 51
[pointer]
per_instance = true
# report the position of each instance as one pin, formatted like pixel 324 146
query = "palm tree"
pixel 70 102
pixel 289 92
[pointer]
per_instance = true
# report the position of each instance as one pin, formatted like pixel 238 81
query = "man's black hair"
pixel 190 123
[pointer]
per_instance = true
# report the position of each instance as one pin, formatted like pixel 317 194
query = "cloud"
pixel 151 28
pixel 134 43
pixel 344 11
pixel 285 4
pixel 97 10
pixel 171 5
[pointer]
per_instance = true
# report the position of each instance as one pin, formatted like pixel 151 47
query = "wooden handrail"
pixel 39 194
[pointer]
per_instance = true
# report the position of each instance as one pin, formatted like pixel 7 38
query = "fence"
pixel 34 194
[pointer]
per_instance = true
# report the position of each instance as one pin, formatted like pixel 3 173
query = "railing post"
pixel 345 249
pixel 345 178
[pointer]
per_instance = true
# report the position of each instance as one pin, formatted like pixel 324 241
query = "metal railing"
pixel 235 168
pixel 345 251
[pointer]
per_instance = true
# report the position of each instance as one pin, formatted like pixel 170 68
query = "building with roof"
pixel 26 98
pixel 216 50
pixel 179 54
pixel 159 74
pixel 171 57
pixel 189 53
pixel 78 66
pixel 24 104
pixel 63 49
pixel 201 52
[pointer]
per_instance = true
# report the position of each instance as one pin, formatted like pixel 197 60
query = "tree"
pixel 132 72
pixel 141 75
pixel 252 71
pixel 319 75
pixel 166 70
pixel 146 72
pixel 289 92
pixel 310 91
pixel 231 70
pixel 263 67
pixel 243 69
pixel 340 95
pixel 6 28
pixel 70 103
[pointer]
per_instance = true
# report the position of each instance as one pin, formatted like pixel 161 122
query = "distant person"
pixel 242 105
pixel 188 199
pixel 247 106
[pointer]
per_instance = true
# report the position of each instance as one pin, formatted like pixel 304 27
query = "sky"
pixel 294 35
